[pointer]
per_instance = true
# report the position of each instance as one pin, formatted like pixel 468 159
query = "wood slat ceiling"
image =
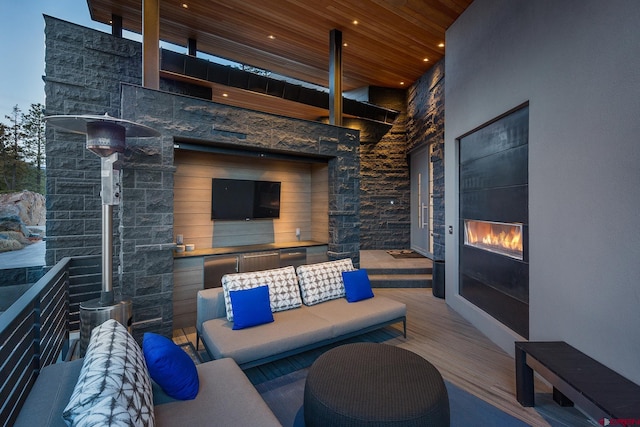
pixel 386 48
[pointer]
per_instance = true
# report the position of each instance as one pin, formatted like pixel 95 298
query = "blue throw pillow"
pixel 357 285
pixel 170 367
pixel 251 307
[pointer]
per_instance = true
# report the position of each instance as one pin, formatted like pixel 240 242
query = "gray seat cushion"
pixel 349 317
pixel 49 395
pixel 290 330
pixel 226 398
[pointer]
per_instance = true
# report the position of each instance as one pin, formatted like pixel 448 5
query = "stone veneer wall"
pixel 425 126
pixel 385 186
pixel 84 72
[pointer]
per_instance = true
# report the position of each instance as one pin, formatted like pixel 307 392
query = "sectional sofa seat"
pixel 310 308
pixel 225 396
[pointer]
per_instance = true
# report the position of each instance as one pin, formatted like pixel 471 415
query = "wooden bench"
pixel 576 378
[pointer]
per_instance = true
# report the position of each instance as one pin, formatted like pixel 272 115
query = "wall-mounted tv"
pixel 240 199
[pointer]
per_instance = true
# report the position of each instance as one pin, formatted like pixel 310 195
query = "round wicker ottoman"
pixel 367 384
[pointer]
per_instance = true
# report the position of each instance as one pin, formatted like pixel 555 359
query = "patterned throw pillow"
pixel 323 281
pixel 284 293
pixel 113 387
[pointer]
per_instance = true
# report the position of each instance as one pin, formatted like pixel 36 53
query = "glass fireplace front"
pixel 497 237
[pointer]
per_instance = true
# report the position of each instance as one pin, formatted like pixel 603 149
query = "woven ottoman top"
pixel 374 384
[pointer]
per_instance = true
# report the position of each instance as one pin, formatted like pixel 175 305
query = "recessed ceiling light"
pixel 401 83
pixel 186 6
pixel 355 22
pixel 425 60
pixel 345 44
pixel 225 95
pixel 441 45
pixel 272 37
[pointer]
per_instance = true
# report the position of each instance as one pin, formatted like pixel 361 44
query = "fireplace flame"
pixel 497 237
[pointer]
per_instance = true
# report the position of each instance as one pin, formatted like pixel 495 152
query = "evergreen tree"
pixel 34 143
pixel 14 168
pixel 4 153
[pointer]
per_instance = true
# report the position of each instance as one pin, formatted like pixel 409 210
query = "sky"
pixel 22 47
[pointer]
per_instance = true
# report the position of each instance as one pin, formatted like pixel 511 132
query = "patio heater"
pixel 106 138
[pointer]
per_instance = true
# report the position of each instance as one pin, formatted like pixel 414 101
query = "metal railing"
pixel 34 331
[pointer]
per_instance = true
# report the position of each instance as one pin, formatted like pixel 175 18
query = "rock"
pixel 17 212
pixel 9 222
pixel 12 241
pixel 29 206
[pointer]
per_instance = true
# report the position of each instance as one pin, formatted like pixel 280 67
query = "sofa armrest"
pixel 210 305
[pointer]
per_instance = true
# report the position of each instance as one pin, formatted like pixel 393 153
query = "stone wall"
pixel 385 186
pixel 425 126
pixel 85 72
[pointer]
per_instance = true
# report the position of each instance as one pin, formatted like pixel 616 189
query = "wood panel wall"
pixel 303 200
pixel 319 203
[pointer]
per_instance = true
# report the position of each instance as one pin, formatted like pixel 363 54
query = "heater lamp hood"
pixel 78 124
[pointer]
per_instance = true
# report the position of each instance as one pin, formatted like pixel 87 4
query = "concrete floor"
pixel 30 256
pixel 381 259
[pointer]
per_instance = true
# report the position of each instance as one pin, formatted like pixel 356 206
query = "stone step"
pixel 400 280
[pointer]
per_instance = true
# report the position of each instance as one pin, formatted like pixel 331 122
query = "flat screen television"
pixel 240 199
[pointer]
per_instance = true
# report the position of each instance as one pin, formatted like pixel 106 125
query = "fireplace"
pixel 497 237
pixel 494 219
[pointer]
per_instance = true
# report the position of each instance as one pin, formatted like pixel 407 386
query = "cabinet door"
pixel 256 261
pixel 217 266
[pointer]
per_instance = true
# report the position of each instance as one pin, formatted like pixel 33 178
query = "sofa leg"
pixel 404 325
pixel 197 341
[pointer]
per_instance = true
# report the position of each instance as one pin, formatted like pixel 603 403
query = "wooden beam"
pixel 192 47
pixel 335 77
pixel 151 44
pixel 116 25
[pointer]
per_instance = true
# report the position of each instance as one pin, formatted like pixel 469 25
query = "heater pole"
pixel 106 296
pixel 110 196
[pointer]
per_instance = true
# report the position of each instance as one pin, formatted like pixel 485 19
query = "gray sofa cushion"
pixel 347 317
pixel 226 398
pixel 290 330
pixel 50 395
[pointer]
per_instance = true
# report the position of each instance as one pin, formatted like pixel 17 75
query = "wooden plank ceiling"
pixel 392 44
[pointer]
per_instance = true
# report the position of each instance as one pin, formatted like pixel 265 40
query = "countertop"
pixel 247 248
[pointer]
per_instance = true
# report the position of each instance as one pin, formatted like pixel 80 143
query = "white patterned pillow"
pixel 284 293
pixel 323 281
pixel 113 387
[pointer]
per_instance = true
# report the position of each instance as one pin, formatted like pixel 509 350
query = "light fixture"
pixel 425 60
pixel 401 83
pixel 225 95
pixel 355 22
pixel 345 44
pixel 441 45
pixel 106 138
pixel 184 5
pixel 272 37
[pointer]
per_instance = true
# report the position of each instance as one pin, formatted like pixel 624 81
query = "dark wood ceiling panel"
pixel 387 45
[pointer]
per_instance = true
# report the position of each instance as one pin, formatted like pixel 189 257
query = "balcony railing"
pixel 34 331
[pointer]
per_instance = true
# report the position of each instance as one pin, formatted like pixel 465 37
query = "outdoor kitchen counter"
pixel 247 248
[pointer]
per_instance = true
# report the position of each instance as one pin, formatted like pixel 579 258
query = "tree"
pixel 14 167
pixel 4 152
pixel 34 142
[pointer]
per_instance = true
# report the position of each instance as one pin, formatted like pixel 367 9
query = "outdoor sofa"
pixel 112 386
pixel 307 307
